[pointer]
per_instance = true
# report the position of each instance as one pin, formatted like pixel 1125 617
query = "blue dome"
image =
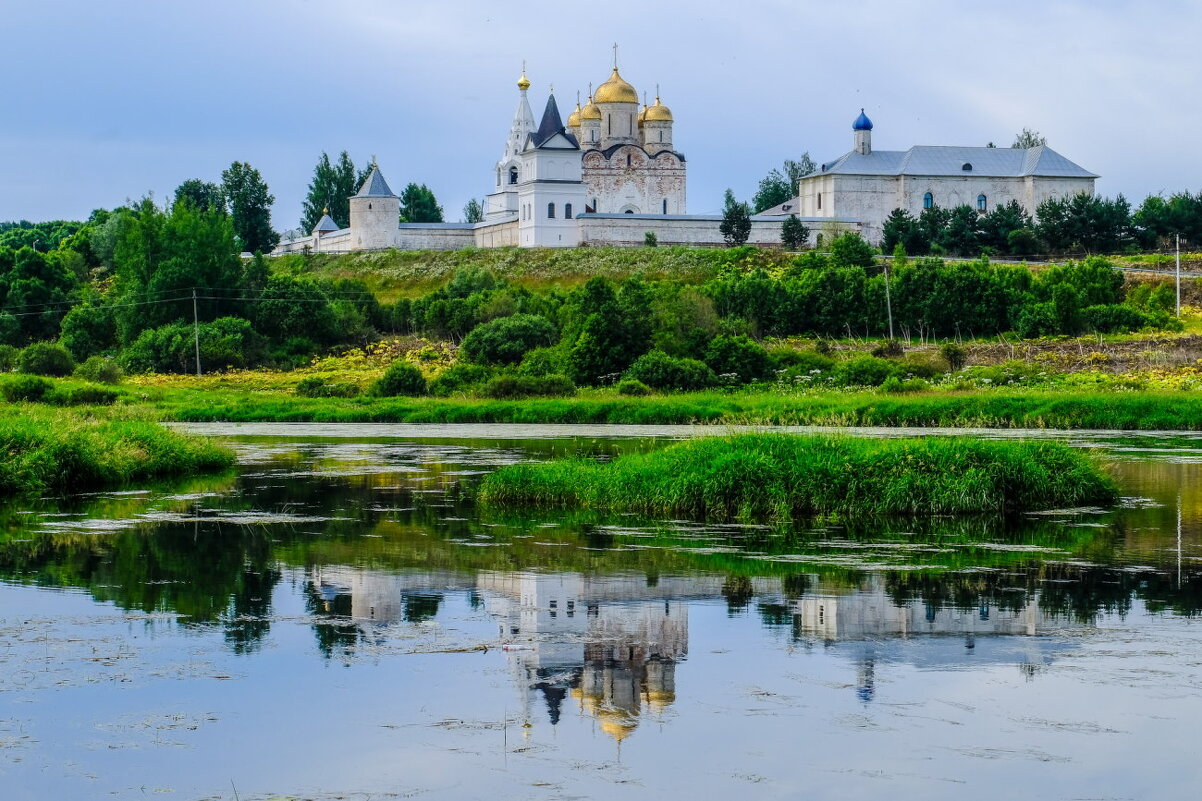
pixel 862 122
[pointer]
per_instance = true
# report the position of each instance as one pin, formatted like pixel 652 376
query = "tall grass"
pixel 69 451
pixel 779 478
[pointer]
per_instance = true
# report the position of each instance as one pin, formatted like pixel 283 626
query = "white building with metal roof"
pixel 866 185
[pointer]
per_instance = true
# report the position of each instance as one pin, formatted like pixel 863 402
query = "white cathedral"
pixel 611 175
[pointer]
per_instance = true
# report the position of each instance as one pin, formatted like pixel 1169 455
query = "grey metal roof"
pixel 325 224
pixel 783 209
pixel 993 162
pixel 375 185
pixel 551 124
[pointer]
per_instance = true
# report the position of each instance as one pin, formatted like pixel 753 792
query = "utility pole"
pixel 888 301
pixel 1178 275
pixel 196 332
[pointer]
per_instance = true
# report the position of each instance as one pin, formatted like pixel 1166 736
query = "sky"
pixel 108 102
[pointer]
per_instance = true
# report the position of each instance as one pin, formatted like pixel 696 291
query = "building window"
pixel 550 211
pixel 630 211
pixel 567 211
pixel 513 175
pixel 966 167
pixel 928 201
pixel 665 205
pixel 820 201
pixel 594 134
pixel 982 204
pixel 595 209
pixel 627 159
pixel 661 136
pixel 498 177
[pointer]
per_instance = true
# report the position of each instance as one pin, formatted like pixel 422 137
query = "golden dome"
pixel 590 111
pixel 574 117
pixel 657 113
pixel 616 724
pixel 523 82
pixel 616 90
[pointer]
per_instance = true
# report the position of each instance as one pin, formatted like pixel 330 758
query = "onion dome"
pixel 574 117
pixel 590 111
pixel 616 90
pixel 523 82
pixel 862 122
pixel 659 113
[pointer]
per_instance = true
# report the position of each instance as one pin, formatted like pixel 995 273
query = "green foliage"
pixel 543 361
pixel 890 349
pixel 46 358
pixel 1086 223
pixel 399 379
pixel 418 205
pixel 249 203
pixel 659 370
pixel 1037 320
pixel 780 185
pixel 295 307
pixel 227 342
pixel 902 229
pixel 200 195
pixel 608 330
pixel 89 329
pixel 793 233
pixel 737 355
pixel 684 320
pixel 8 357
pixel 954 355
pixel 508 339
pixel 473 212
pixel 81 395
pixel 528 386
pixel 736 221
pixel 850 250
pixel 1028 139
pixel 864 371
pixel 331 188
pixel 1022 242
pixel 25 388
pixel 785 478
pixel 650 240
pixel 100 370
pixel 1113 318
pixel 318 387
pixel 461 379
pixel 633 388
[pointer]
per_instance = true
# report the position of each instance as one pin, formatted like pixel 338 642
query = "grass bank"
pixel 61 450
pixel 780 478
pixel 999 408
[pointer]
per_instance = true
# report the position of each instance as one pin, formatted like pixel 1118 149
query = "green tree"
pixel 1028 139
pixel 418 205
pixel 736 221
pixel 793 233
pixel 904 229
pixel 249 203
pixel 780 185
pixel 200 194
pixel 331 188
pixel 962 234
pixel 473 212
pixel 850 250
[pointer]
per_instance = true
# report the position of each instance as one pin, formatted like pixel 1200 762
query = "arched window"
pixel 567 211
pixel 630 211
pixel 966 167
pixel 627 159
pixel 369 207
pixel 550 211
pixel 513 175
pixel 928 201
pixel 982 203
pixel 498 177
pixel 661 136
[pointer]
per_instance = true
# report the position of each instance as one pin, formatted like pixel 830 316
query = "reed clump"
pixel 61 450
pixel 781 478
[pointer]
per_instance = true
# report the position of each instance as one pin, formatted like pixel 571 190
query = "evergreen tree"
pixel 903 229
pixel 249 203
pixel 780 186
pixel 793 233
pixel 418 205
pixel 331 188
pixel 472 212
pixel 736 221
pixel 202 195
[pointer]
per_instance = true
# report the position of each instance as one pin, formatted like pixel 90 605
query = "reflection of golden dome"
pixel 574 118
pixel 617 725
pixel 523 82
pixel 590 111
pixel 616 90
pixel 658 113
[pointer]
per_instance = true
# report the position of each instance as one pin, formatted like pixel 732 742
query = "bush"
pixel 895 386
pixel 740 356
pixel 543 361
pixel 27 388
pixel 8 357
pixel 1037 320
pixel 921 365
pixel 46 358
pixel 317 387
pixel 460 378
pixel 632 388
pixel 100 370
pixel 864 371
pixel 661 371
pixel 1113 318
pixel 226 342
pixel 293 352
pixel 800 361
pixel 525 386
pixel 889 349
pixel 400 379
pixel 954 355
pixel 650 239
pixel 508 339
pixel 81 395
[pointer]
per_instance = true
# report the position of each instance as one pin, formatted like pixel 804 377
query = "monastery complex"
pixel 611 174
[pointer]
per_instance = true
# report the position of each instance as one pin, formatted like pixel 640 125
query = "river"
pixel 333 619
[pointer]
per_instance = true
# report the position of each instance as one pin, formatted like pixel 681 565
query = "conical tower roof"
pixel 551 123
pixel 325 224
pixel 375 185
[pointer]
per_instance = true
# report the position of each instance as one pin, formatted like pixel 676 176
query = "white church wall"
pixel 625 230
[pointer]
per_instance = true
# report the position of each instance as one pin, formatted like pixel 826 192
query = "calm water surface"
pixel 333 620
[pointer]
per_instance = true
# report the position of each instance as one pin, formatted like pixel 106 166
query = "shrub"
pixel 225 342
pixel 864 371
pixel 28 388
pixel 1037 320
pixel 895 386
pixel 823 348
pixel 954 355
pixel 317 387
pixel 100 370
pixel 661 371
pixel 81 395
pixel 88 329
pixel 525 386
pixel 740 356
pixel 401 378
pixel 507 339
pixel 889 349
pixel 632 388
pixel 543 361
pixel 46 358
pixel 8 357
pixel 293 352
pixel 460 378
pixel 650 239
pixel 1112 318
pixel 921 365
pixel 800 361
